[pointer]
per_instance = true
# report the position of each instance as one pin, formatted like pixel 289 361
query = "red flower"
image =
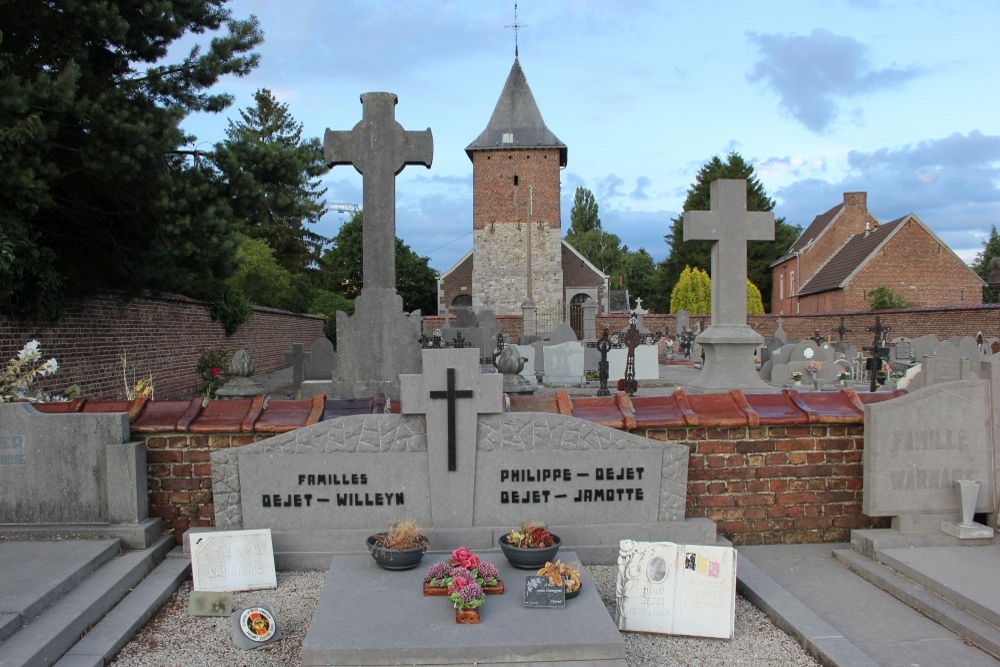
pixel 457 584
pixel 462 557
pixel 215 371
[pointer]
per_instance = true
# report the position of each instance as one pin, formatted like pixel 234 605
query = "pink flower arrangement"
pixel 462 557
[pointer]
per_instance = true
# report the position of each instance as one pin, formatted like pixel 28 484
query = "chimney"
pixel 856 212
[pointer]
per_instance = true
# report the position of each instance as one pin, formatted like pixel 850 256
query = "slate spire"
pixel 516 121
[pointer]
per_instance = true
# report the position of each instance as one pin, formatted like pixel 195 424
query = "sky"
pixel 899 99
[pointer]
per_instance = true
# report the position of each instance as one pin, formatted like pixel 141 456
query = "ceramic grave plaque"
pixel 236 560
pixel 676 589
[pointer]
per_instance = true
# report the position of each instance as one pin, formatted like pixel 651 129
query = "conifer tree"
pixel 272 175
pixel 981 265
pixel 692 292
pixel 96 191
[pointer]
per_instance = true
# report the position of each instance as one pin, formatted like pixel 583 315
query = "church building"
pixel 518 252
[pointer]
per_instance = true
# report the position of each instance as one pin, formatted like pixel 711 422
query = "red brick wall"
pixel 493 194
pixel 160 335
pixel 776 484
pixel 179 477
pixel 453 283
pixel 576 273
pixel 763 485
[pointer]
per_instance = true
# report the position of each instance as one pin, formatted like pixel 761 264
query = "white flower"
pixel 49 367
pixel 29 351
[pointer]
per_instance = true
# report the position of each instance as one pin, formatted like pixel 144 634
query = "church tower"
pixel 517 228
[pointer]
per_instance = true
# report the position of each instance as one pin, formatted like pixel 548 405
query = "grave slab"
pixel 370 616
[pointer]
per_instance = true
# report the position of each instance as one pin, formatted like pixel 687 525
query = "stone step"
pixel 41 642
pixel 27 589
pixel 106 639
pixel 952 616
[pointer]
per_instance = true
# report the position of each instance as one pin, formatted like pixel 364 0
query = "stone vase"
pixel 798 383
pixel 814 380
pixel 968 491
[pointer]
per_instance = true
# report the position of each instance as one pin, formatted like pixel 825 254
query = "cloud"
pixel 810 73
pixel 609 187
pixel 641 184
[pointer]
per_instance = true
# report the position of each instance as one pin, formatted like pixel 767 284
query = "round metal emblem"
pixel 257 624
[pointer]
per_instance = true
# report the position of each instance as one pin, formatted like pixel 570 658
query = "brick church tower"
pixel 517 228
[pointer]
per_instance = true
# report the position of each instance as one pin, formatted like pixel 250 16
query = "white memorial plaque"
pixel 236 560
pixel 676 589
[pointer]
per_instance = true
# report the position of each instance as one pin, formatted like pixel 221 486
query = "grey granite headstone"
pixel 780 335
pixel 79 470
pixel 683 320
pixel 563 333
pixel 466 319
pixel 322 360
pixel 729 344
pixel 563 363
pixel 917 445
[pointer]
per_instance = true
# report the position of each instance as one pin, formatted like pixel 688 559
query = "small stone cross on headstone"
pixel 451 394
pixel 379 148
pixel 817 338
pixel 728 225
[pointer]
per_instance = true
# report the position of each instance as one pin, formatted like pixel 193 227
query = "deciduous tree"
pixel 981 265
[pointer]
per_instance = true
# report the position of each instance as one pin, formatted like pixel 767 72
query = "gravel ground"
pixel 174 639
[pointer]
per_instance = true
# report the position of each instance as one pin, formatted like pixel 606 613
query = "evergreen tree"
pixel 755 305
pixel 94 191
pixel 341 269
pixel 760 254
pixel 981 265
pixel 637 273
pixel 273 177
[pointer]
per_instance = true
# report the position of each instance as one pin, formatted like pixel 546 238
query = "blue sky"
pixel 898 99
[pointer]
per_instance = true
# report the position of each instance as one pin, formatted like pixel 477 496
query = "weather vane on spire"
pixel 515 27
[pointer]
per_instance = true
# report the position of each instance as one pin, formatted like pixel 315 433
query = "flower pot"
pixel 394 559
pixel 798 383
pixel 466 616
pixel 529 559
pixel 570 596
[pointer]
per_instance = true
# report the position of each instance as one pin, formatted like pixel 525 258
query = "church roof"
pixel 516 121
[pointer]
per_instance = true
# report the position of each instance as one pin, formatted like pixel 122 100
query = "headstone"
pixel 563 363
pixel 563 333
pixel 379 341
pixel 529 322
pixel 677 589
pixel 453 460
pixel 729 344
pixel 466 319
pixel 239 560
pixel 917 445
pixel 74 469
pixel 297 359
pixel 683 320
pixel 322 359
pixel 528 352
pixel 590 319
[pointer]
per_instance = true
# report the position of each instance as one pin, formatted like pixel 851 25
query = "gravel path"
pixel 174 639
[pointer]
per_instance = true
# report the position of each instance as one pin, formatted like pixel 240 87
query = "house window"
pixel 515 180
pixel 791 284
pixel 781 286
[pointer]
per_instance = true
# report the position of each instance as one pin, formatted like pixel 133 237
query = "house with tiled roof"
pixel 846 252
pixel 518 252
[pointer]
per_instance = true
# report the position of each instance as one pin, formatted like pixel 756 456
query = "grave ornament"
pixel 879 350
pixel 604 344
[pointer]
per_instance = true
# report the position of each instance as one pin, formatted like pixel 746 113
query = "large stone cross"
pixel 379 148
pixel 729 226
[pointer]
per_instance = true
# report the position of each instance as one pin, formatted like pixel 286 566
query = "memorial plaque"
pixel 579 487
pixel 210 603
pixel 254 627
pixel 540 594
pixel 322 492
pixel 917 445
pixel 237 560
pixel 676 589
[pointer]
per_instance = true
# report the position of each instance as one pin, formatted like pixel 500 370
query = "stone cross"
pixel 842 330
pixel 452 425
pixel 379 148
pixel 603 345
pixel 879 349
pixel 298 358
pixel 728 225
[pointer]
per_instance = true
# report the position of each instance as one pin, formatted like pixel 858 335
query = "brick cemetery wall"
pixel 763 485
pixel 776 484
pixel 161 336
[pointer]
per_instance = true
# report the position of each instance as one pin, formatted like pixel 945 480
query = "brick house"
pixel 846 252
pixel 516 163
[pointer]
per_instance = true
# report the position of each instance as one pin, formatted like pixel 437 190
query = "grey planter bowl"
pixel 529 559
pixel 394 559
